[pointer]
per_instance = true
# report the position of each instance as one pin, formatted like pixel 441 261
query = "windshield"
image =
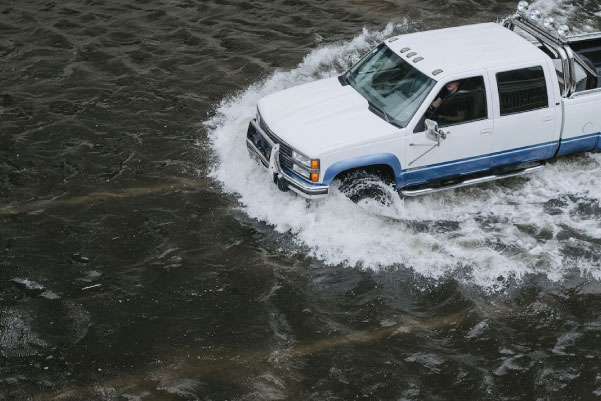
pixel 393 87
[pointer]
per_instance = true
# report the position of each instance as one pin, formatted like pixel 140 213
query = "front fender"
pixel 363 161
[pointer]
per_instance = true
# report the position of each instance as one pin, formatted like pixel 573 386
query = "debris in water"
pixel 91 276
pixel 91 286
pixel 28 284
pixel 77 257
pixel 49 295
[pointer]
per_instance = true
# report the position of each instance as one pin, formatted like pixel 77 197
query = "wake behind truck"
pixel 440 109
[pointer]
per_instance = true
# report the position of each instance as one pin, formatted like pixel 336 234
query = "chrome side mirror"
pixel 432 131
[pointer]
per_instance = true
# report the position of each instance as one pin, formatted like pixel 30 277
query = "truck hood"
pixel 323 117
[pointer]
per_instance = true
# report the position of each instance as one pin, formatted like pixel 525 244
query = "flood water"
pixel 143 256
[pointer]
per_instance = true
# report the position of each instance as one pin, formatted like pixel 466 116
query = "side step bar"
pixel 479 180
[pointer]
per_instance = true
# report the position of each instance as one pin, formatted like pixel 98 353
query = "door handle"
pixel 486 132
pixel 549 120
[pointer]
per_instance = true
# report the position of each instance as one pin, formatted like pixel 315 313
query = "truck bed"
pixel 590 51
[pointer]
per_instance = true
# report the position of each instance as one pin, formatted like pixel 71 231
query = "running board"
pixel 473 181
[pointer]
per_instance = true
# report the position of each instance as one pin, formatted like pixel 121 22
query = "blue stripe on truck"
pixel 446 169
pixel 579 144
pixel 526 154
pixel 499 159
pixel 476 164
pixel 469 165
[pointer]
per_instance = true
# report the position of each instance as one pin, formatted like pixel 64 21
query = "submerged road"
pixel 40 205
pixel 144 257
pixel 230 365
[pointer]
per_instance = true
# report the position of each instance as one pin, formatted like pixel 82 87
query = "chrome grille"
pixel 285 149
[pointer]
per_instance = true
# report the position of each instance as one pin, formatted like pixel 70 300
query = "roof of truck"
pixel 465 48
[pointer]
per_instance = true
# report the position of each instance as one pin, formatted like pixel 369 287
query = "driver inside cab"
pixel 449 89
pixel 452 112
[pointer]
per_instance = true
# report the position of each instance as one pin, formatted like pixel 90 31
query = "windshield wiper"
pixel 379 111
pixel 382 114
pixel 374 71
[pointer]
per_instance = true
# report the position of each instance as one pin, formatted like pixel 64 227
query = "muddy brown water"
pixel 126 273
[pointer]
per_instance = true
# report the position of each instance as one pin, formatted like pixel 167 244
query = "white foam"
pixel 547 7
pixel 566 12
pixel 485 235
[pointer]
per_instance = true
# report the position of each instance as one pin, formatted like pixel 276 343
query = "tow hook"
pixel 281 182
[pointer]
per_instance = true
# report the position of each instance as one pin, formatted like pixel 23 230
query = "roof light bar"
pixel 563 30
pixel 535 16
pixel 549 23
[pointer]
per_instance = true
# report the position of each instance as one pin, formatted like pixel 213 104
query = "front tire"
pixel 361 184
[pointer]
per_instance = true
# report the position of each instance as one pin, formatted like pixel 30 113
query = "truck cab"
pixel 438 109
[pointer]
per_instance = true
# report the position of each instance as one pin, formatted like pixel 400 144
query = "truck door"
pixel 466 116
pixel 525 115
pixel 582 120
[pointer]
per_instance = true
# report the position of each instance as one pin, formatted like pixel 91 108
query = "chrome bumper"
pixel 283 180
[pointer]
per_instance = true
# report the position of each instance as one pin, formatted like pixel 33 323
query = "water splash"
pixel 546 224
pixel 581 16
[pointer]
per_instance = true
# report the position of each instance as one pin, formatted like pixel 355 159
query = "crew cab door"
pixel 525 114
pixel 465 117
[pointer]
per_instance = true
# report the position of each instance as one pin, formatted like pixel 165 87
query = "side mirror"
pixel 432 130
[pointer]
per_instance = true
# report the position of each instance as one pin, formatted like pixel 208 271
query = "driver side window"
pixel 458 102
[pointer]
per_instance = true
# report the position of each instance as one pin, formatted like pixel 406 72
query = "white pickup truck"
pixel 439 109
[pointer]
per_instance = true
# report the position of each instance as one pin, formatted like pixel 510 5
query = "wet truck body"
pixel 525 95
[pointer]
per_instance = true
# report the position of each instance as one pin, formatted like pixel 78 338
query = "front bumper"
pixel 270 159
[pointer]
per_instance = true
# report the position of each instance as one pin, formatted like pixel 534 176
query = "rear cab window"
pixel 522 90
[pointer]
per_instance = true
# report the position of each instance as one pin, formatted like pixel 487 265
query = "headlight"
pixel 301 171
pixel 305 166
pixel 301 158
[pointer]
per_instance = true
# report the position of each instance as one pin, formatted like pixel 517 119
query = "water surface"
pixel 144 257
